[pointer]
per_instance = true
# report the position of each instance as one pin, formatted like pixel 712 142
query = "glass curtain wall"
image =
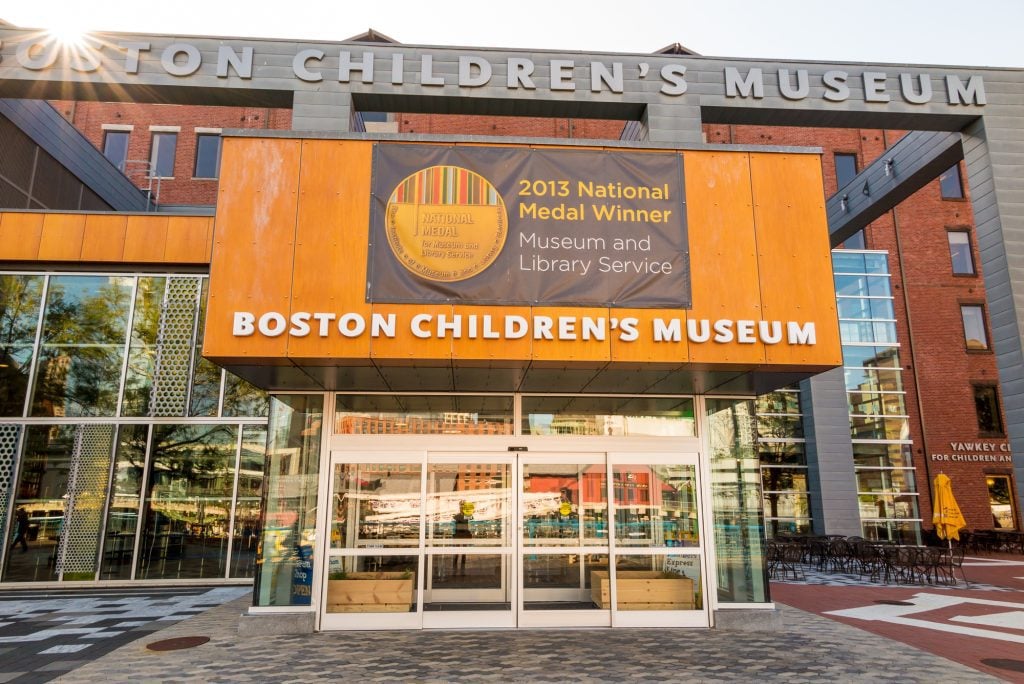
pixel 780 446
pixel 608 416
pixel 148 460
pixel 736 501
pixel 879 425
pixel 285 552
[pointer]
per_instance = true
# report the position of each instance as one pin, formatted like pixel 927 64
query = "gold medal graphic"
pixel 446 223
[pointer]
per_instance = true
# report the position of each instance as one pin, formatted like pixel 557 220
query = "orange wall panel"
pixel 145 239
pixel 188 240
pixel 405 345
pixel 332 231
pixel 794 259
pixel 104 238
pixel 254 240
pixel 480 349
pixel 292 234
pixel 723 250
pixel 20 235
pixel 570 350
pixel 645 349
pixel 61 239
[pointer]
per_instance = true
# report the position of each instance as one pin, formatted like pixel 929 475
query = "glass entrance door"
pixel 657 578
pixel 469 541
pixel 374 573
pixel 635 562
pixel 564 539
pixel 504 540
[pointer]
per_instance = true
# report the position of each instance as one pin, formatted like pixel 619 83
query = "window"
pixel 949 183
pixel 162 154
pixel 974 326
pixel 115 147
pixel 855 241
pixel 986 404
pixel 846 168
pixel 207 155
pixel 960 252
pixel 1000 501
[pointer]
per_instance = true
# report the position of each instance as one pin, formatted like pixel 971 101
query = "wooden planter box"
pixel 371 592
pixel 642 590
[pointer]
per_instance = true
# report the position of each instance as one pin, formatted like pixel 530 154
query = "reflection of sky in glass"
pixel 541 422
pixel 78 288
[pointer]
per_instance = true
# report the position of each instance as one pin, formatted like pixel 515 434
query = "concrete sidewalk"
pixel 809 649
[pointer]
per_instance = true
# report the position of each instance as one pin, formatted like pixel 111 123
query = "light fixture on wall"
pixel 889 166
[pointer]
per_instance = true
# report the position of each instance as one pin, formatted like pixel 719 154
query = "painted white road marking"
pixel 66 648
pixel 1011 620
pixel 925 602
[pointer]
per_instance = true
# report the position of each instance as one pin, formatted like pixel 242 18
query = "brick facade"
pixel 89 118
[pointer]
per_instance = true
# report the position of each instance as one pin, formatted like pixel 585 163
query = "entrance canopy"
pixel 361 265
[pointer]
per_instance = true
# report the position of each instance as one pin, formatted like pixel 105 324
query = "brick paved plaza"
pixel 844 630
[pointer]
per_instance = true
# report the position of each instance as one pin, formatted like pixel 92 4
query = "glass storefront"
pixel 84 488
pixel 736 501
pixel 453 539
pixel 284 556
pixel 432 414
pixel 783 459
pixel 608 416
pixel 148 462
pixel 155 465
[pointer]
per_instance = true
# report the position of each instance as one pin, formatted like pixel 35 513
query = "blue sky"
pixel 959 32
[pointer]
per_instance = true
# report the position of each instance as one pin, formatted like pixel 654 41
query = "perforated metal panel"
pixel 8 454
pixel 174 344
pixel 87 488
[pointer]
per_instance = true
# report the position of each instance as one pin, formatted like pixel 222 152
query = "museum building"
pixel 405 374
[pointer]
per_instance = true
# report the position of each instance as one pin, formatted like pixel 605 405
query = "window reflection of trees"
pixel 188 501
pixel 82 346
pixel 784 489
pixel 19 314
pixel 138 381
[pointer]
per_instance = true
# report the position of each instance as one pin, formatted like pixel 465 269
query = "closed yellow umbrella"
pixel 947 516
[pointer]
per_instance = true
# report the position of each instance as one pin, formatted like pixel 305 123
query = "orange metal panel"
pixel 292 232
pixel 331 235
pixel 480 349
pixel 645 348
pixel 405 345
pixel 569 349
pixel 794 257
pixel 61 239
pixel 20 235
pixel 145 239
pixel 104 238
pixel 254 240
pixel 723 251
pixel 188 240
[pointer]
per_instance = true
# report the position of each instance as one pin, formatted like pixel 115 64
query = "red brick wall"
pixel 89 118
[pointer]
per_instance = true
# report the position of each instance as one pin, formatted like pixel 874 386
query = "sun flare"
pixel 68 29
